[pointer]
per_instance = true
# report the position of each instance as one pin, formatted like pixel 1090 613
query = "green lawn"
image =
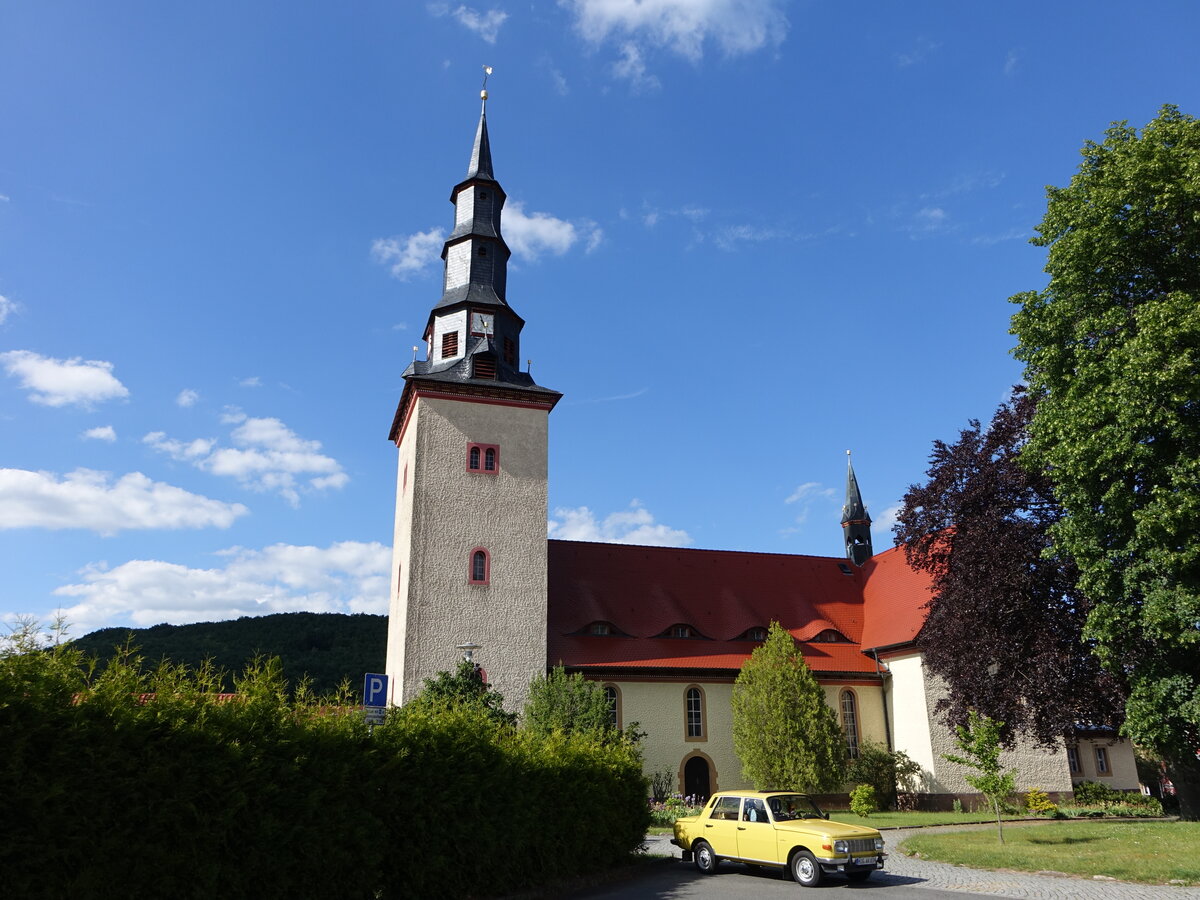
pixel 1147 852
pixel 913 819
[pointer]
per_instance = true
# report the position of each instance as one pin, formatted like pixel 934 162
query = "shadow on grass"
pixel 1062 841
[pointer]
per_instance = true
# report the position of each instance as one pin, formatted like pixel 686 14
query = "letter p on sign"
pixel 375 690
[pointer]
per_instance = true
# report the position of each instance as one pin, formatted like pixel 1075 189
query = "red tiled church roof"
pixel 895 596
pixel 643 591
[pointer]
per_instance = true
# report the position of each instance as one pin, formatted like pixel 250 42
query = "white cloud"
pixel 805 497
pixel 683 26
pixel 252 381
pixel 101 433
pixel 348 576
pixel 7 308
pixel 808 491
pixel 530 235
pixel 731 237
pixel 1010 62
pixel 409 254
pixel 88 499
pixel 266 456
pixel 485 24
pixel 881 528
pixel 631 67
pixel 928 220
pixel 920 50
pixel 187 397
pixel 59 382
pixel 631 526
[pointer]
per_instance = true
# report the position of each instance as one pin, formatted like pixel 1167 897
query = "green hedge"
pixel 104 792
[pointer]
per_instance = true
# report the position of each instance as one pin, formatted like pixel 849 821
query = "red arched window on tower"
pixel 483 458
pixel 481 567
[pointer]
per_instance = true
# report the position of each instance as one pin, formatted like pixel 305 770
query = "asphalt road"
pixel 904 877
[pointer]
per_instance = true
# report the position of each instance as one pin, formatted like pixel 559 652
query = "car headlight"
pixel 840 847
pixel 878 843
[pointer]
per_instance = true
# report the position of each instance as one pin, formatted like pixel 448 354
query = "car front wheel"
pixel 805 870
pixel 705 859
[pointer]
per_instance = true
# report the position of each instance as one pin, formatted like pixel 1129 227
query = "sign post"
pixel 375 694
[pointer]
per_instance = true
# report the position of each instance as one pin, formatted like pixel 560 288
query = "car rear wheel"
pixel 805 869
pixel 705 859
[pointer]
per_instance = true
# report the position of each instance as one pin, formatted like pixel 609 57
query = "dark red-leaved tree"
pixel 1005 622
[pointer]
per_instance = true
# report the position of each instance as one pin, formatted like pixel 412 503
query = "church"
pixel 664 630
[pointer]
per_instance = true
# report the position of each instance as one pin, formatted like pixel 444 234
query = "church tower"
pixel 856 523
pixel 469 549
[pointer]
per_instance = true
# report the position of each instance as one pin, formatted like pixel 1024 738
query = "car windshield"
pixel 793 806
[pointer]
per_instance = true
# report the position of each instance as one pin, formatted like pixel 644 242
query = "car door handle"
pixel 708 824
pixel 741 828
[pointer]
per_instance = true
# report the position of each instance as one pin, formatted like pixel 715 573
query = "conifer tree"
pixel 785 734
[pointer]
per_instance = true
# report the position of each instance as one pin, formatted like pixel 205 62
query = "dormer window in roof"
pixel 845 568
pixel 600 629
pixel 757 633
pixel 829 636
pixel 682 630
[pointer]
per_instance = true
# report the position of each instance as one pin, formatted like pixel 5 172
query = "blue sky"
pixel 748 235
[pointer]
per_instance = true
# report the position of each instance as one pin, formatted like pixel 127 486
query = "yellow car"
pixel 780 829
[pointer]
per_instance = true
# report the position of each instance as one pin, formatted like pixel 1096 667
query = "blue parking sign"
pixel 375 690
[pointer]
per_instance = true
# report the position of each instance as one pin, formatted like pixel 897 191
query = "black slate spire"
pixel 856 522
pixel 481 153
pixel 473 337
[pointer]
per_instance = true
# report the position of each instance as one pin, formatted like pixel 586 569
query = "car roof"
pixel 758 793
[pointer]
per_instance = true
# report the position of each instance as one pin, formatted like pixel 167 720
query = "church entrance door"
pixel 695 778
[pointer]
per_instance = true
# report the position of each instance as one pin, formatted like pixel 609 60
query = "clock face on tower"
pixel 481 323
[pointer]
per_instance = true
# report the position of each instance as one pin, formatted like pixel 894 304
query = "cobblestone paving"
pixel 905 870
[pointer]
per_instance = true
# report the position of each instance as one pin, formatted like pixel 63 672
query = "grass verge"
pixel 1145 852
pixel 914 819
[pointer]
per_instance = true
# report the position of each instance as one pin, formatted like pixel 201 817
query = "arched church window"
pixel 474 460
pixel 480 566
pixel 694 714
pixel 612 697
pixel 850 723
pixel 489 459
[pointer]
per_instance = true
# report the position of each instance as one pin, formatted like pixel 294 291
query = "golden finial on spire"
pixel 487 70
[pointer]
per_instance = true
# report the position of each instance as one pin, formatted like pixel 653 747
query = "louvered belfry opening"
pixel 485 367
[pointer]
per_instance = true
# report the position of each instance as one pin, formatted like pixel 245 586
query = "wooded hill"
pixel 328 647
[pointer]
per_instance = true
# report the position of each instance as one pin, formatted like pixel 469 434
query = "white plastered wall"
pixel 443 513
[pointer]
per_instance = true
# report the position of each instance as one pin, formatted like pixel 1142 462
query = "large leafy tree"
pixel 1112 345
pixel 567 703
pixel 1004 625
pixel 784 732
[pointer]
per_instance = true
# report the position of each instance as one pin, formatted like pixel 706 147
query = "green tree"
pixel 464 687
pixel 979 741
pixel 784 732
pixel 567 703
pixel 1112 346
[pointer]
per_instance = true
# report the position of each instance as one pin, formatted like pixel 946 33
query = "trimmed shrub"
pixel 863 800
